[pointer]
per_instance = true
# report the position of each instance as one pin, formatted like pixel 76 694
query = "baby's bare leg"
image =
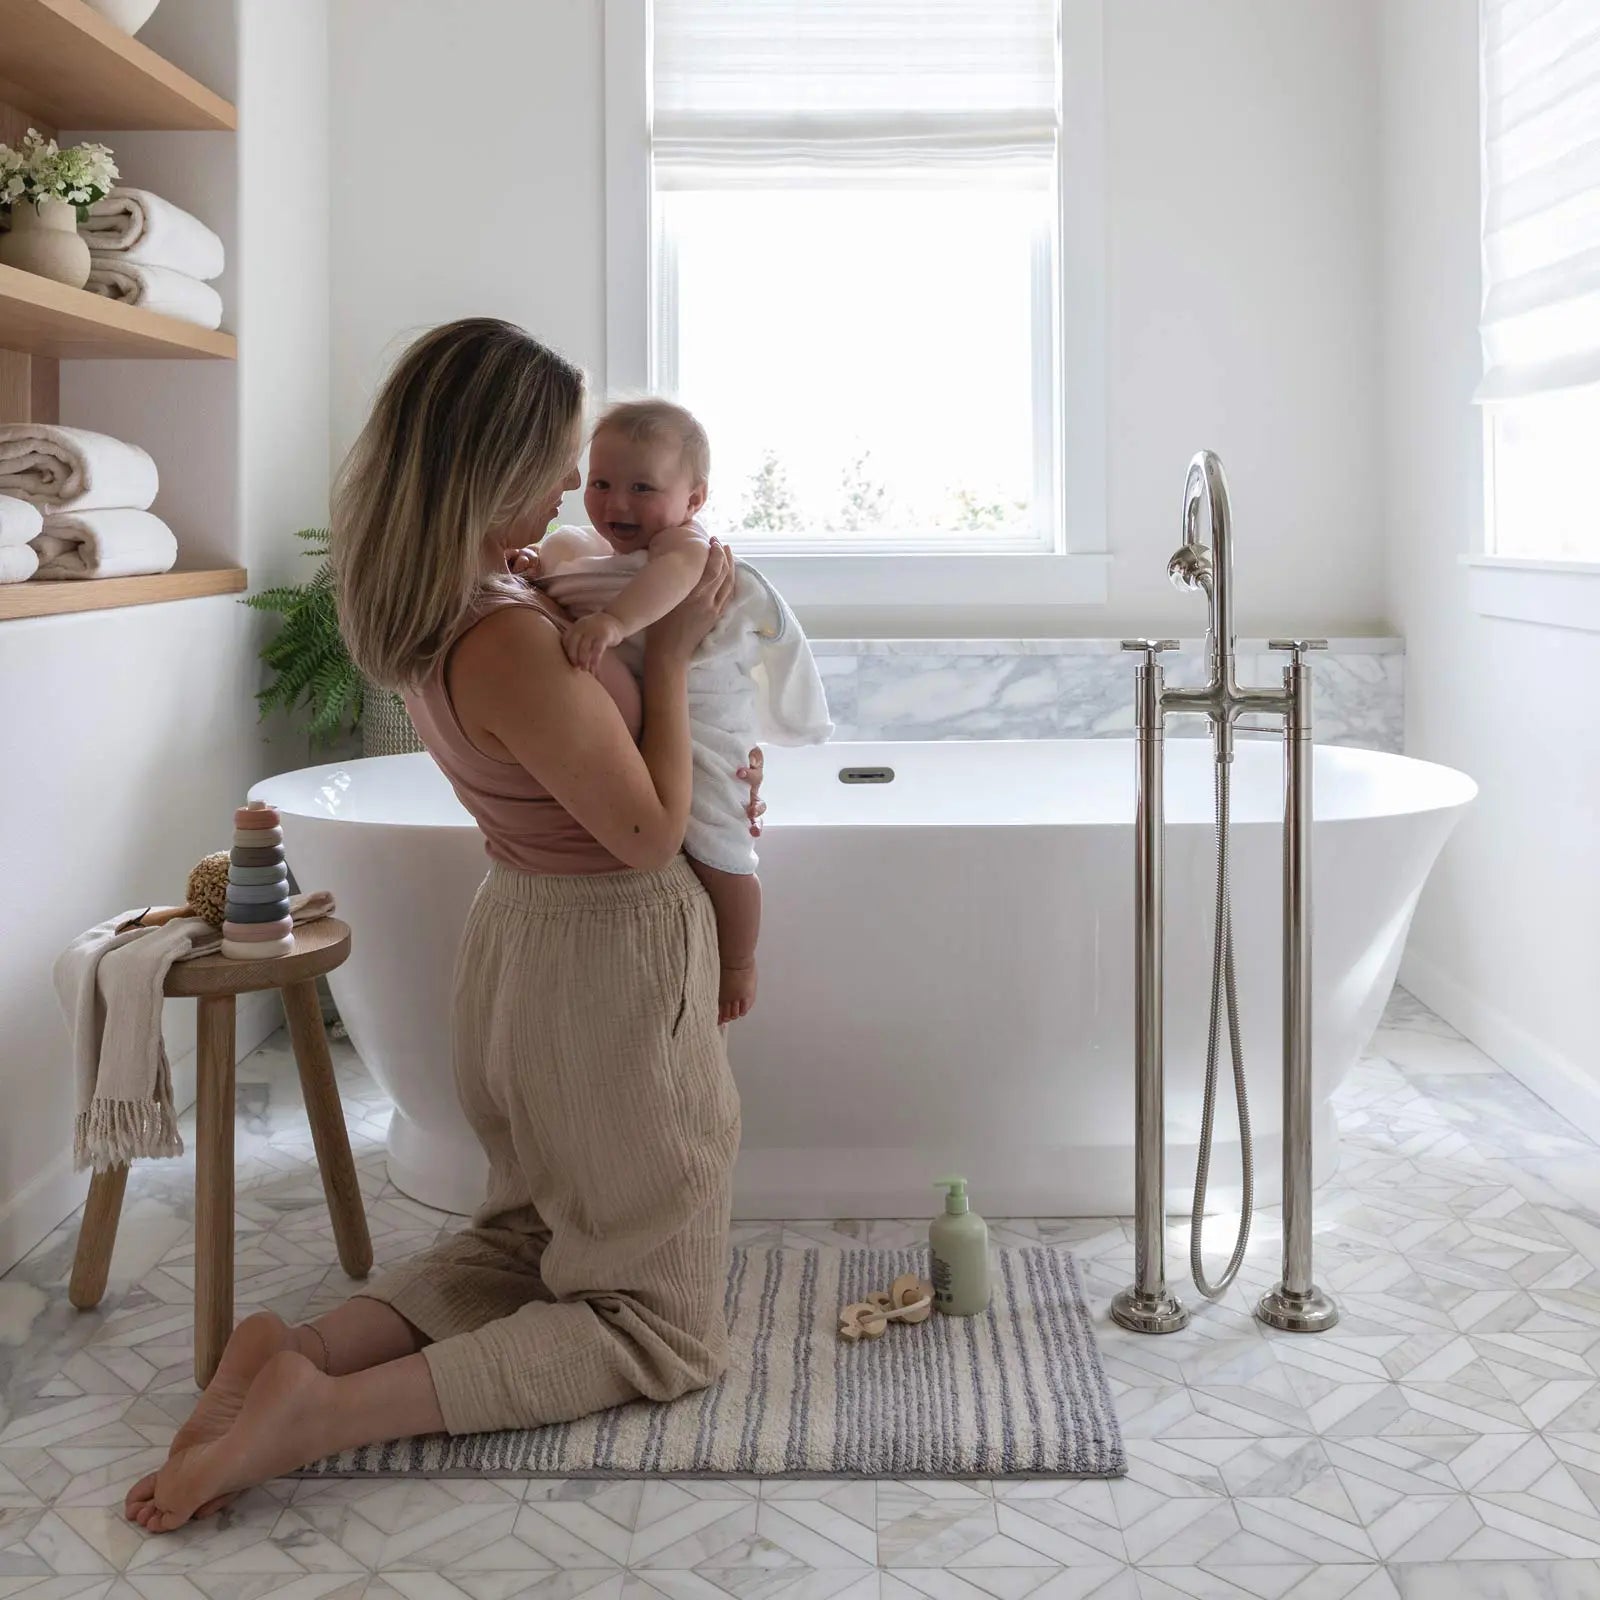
pixel 736 900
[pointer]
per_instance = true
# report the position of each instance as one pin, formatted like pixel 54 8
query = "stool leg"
pixel 325 1111
pixel 213 1193
pixel 97 1238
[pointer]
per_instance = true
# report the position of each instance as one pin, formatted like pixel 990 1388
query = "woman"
pixel 587 1051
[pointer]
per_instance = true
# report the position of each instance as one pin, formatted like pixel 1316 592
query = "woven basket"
pixel 385 728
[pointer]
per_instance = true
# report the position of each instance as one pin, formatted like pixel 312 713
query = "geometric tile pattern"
pixel 1442 1443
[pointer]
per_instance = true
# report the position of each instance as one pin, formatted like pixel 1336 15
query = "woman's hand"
pixel 678 634
pixel 753 774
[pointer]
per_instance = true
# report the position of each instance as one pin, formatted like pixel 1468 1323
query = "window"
pixel 1541 278
pixel 855 232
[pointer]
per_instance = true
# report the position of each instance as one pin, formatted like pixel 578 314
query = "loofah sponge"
pixel 208 887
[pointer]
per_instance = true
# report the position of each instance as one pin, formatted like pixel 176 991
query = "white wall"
pixel 469 181
pixel 1242 248
pixel 1505 943
pixel 128 737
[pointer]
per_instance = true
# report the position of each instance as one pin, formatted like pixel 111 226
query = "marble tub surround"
pixel 1440 1444
pixel 1082 688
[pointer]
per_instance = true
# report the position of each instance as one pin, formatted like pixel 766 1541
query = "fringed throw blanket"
pixel 110 982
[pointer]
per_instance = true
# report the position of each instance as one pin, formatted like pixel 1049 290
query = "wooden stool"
pixel 215 982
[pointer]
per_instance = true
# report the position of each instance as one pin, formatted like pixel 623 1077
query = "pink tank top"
pixel 521 824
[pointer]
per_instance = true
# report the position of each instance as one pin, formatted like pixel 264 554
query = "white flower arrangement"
pixel 40 170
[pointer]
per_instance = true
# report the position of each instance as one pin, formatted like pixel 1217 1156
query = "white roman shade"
pixel 763 91
pixel 1541 197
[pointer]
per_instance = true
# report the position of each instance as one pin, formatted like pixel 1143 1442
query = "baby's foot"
pixel 736 995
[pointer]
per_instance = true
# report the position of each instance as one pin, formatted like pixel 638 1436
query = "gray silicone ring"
pixel 239 912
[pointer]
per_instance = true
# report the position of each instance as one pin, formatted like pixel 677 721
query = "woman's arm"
pixel 510 680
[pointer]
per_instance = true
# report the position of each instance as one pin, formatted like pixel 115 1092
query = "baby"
pixel 752 680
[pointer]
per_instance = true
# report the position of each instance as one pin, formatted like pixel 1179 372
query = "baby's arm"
pixel 558 547
pixel 677 558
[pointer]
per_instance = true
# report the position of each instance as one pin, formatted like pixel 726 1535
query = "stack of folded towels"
pixel 19 524
pixel 79 504
pixel 148 252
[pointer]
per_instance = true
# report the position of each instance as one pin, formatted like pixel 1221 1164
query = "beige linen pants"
pixel 591 1067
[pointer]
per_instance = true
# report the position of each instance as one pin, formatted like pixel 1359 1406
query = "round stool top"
pixel 319 947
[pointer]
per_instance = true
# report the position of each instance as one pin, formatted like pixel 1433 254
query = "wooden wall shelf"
pixel 43 318
pixel 65 65
pixel 105 594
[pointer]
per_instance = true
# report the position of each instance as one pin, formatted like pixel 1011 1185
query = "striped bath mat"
pixel 1017 1390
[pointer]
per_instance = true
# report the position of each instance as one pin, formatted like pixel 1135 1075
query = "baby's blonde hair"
pixel 653 418
pixel 477 423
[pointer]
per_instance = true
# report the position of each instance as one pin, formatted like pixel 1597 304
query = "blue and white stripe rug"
pixel 1018 1390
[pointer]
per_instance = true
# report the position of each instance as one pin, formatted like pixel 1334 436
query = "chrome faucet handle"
pixel 1151 647
pixel 1296 646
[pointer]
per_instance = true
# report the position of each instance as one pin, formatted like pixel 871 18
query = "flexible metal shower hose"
pixel 1222 990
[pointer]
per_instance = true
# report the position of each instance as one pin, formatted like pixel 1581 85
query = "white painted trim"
pixel 887 582
pixel 628 198
pixel 1081 300
pixel 1561 1083
pixel 38 1210
pixel 35 1212
pixel 1556 594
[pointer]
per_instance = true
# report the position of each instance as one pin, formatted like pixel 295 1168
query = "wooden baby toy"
pixel 909 1299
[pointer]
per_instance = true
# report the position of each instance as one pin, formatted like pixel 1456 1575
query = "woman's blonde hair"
pixel 477 422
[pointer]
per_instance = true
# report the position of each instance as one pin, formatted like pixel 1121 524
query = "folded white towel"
pixel 71 469
pixel 173 294
pixel 109 982
pixel 140 226
pixel 19 521
pixel 18 563
pixel 104 544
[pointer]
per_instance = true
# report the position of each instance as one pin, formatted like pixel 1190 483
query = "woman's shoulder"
pixel 515 621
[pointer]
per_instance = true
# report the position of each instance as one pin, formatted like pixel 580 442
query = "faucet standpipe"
pixel 1148 1306
pixel 1296 1305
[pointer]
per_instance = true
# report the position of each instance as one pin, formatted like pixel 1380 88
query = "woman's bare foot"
pixel 250 1347
pixel 273 1433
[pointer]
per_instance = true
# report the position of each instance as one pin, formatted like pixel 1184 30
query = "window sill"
pixel 1555 594
pixel 881 582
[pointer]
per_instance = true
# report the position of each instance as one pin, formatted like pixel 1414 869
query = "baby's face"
pixel 638 488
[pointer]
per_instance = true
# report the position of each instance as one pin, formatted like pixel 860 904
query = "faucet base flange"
pixel 1149 1313
pixel 1289 1312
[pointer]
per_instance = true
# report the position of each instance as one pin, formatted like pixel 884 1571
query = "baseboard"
pixel 1561 1083
pixel 43 1205
pixel 39 1209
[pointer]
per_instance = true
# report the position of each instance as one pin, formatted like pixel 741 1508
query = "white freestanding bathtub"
pixel 946 962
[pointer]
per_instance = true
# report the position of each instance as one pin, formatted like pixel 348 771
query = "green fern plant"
pixel 311 670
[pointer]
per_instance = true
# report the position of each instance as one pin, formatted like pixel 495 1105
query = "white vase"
pixel 129 15
pixel 44 240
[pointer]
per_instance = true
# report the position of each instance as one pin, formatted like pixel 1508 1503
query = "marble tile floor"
pixel 1442 1444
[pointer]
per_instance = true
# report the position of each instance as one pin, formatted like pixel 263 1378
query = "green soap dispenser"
pixel 959 1244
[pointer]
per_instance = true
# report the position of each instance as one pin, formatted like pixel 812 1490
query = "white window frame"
pixel 1076 571
pixel 1534 589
